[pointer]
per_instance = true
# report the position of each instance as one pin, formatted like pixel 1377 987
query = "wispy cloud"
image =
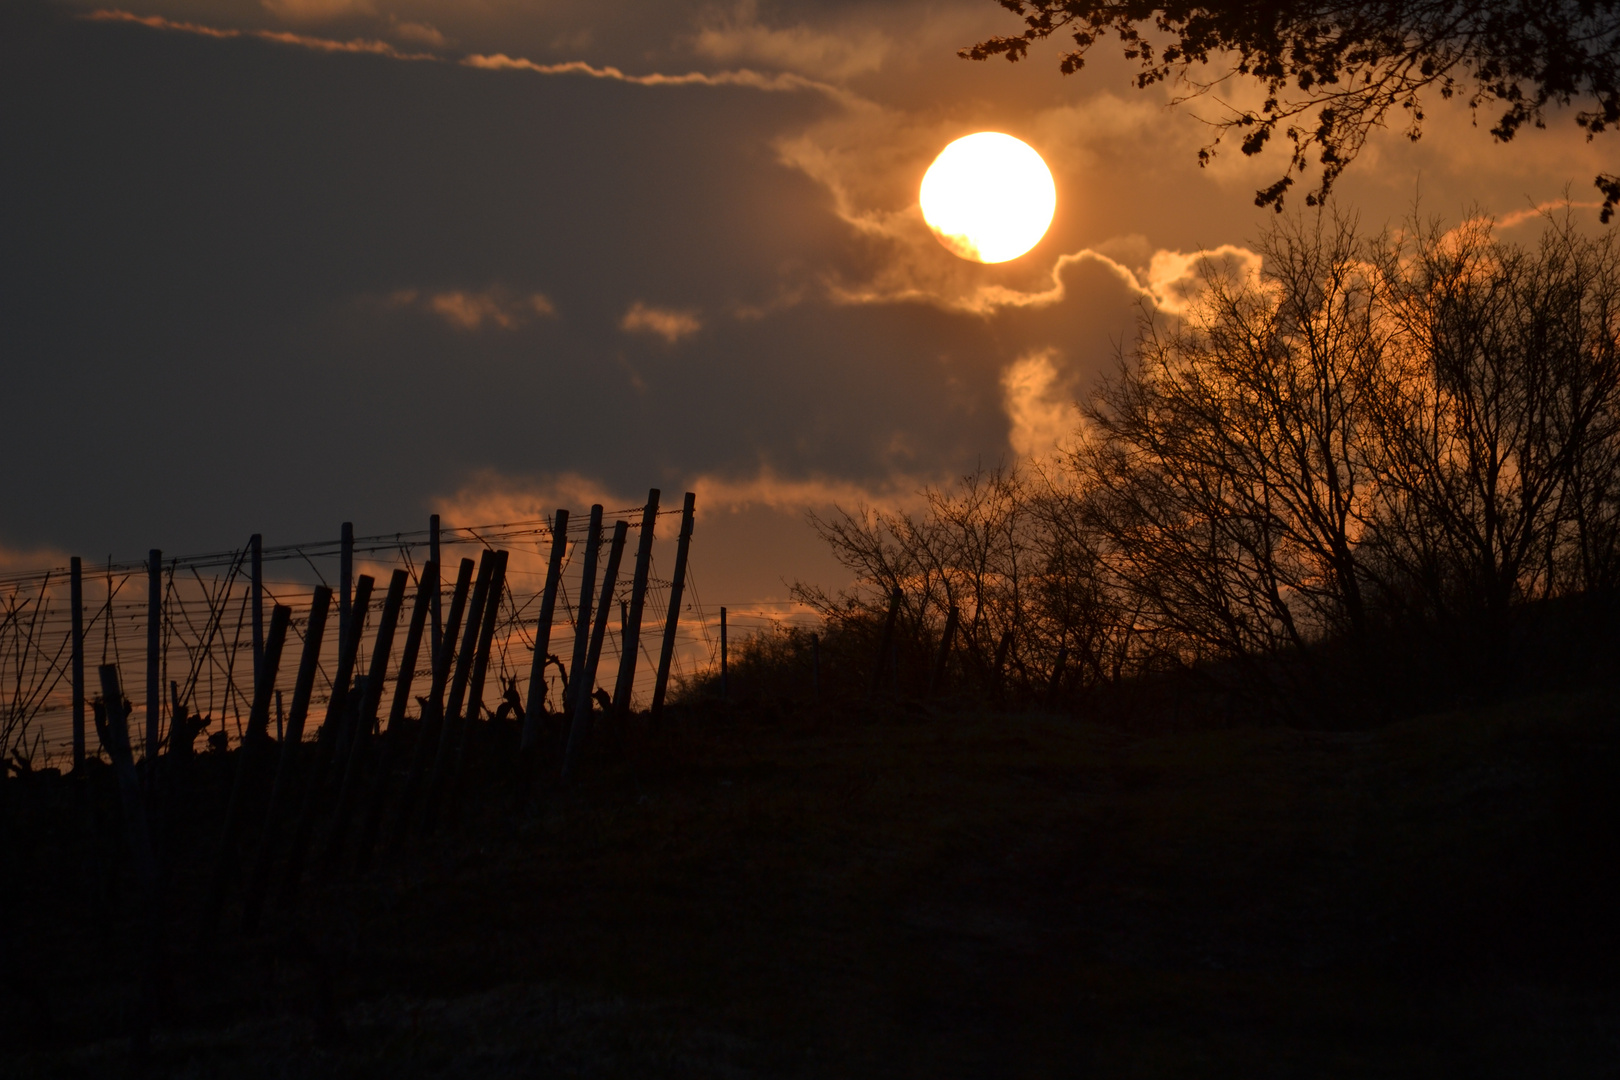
pixel 738 35
pixel 667 323
pixel 425 34
pixel 471 311
pixel 784 81
pixel 280 37
pixel 766 488
pixel 1541 210
pixel 1039 403
pixel 421 33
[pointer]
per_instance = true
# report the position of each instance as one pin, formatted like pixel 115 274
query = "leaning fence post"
pixel 475 689
pixel 76 602
pixel 360 737
pixel 291 746
pixel 427 591
pixel 887 643
pixel 154 668
pixel 433 707
pixel 427 587
pixel 458 689
pixel 542 635
pixel 332 731
pixel 604 606
pixel 936 681
pixel 247 765
pixel 332 726
pixel 256 543
pixel 345 580
pixel 433 557
pixel 580 678
pixel 677 585
pixel 582 620
pixel 630 640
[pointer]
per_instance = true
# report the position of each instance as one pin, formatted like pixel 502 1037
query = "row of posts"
pixel 587 638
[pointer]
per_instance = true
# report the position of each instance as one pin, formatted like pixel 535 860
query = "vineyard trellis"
pixel 208 611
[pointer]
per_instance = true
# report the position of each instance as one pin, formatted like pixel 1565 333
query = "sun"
pixel 988 197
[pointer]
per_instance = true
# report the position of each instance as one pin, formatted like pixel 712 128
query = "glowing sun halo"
pixel 988 197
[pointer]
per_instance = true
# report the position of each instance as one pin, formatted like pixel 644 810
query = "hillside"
pixel 897 892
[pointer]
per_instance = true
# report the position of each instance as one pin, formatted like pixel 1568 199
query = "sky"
pixel 271 265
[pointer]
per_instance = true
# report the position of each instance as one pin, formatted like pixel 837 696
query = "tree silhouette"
pixel 1333 70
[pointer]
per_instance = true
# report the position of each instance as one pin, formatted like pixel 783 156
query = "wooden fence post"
pixel 458 689
pixel 677 585
pixel 427 591
pixel 724 650
pixel 583 679
pixel 604 604
pixel 475 689
pixel 886 645
pixel 331 729
pixel 331 738
pixel 247 756
pixel 256 543
pixel 291 746
pixel 154 667
pixel 433 557
pixel 936 681
pixel 630 639
pixel 542 635
pixel 427 587
pixel 433 708
pixel 345 581
pixel 351 752
pixel 582 614
pixel 76 602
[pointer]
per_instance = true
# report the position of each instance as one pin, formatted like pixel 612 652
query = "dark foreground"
pixel 899 894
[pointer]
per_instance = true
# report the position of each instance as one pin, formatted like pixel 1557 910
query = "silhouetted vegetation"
pixel 1380 473
pixel 1331 73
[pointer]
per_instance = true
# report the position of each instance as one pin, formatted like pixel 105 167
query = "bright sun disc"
pixel 988 197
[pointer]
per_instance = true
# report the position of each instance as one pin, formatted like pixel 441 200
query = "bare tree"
pixel 1496 417
pixel 1304 474
pixel 1224 465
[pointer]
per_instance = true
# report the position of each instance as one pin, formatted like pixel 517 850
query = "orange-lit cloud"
pixel 785 81
pixel 667 323
pixel 28 560
pixel 838 53
pixel 421 33
pixel 471 311
pixel 1541 210
pixel 765 488
pixel 1039 401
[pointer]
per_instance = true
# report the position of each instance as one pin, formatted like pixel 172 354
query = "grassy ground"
pixel 903 893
